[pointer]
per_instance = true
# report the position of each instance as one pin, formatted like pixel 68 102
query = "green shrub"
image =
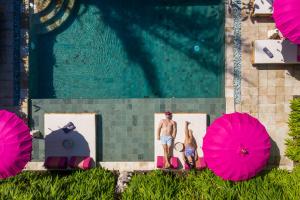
pixel 154 185
pixel 274 184
pixel 293 142
pixel 92 184
pixel 100 184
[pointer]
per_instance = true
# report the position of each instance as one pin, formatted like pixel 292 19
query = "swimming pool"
pixel 132 49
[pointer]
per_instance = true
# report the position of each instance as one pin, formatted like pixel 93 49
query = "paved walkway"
pixel 268 89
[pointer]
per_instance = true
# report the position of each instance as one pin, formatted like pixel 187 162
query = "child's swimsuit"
pixel 189 151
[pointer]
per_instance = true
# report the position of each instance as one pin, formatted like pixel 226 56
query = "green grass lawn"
pixel 100 184
pixel 93 184
pixel 269 185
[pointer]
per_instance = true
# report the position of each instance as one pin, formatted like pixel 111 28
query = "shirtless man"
pixel 190 147
pixel 166 133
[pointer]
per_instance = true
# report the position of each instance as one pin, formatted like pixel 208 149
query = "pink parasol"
pixel 286 15
pixel 236 146
pixel 15 144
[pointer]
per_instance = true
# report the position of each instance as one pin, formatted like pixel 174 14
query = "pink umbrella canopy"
pixel 236 146
pixel 15 144
pixel 286 15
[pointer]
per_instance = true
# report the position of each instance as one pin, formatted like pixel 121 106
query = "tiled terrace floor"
pixel 124 126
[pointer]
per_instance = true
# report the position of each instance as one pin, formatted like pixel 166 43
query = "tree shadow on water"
pixel 176 23
pixel 43 59
pixel 170 21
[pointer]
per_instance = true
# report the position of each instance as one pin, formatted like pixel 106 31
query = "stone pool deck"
pixel 266 90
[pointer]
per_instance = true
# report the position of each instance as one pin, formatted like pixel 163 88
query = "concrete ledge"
pixel 35 166
pixel 121 166
pixel 140 166
pixel 128 166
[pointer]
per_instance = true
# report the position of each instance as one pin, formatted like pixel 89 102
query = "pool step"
pixel 53 19
pixel 43 9
pixel 50 12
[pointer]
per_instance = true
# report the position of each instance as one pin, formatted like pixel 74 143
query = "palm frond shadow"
pixel 165 20
pixel 168 22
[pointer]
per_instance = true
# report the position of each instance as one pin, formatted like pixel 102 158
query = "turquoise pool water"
pixel 132 49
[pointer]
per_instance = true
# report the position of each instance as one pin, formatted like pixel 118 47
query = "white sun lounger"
pixel 198 125
pixel 263 8
pixel 283 51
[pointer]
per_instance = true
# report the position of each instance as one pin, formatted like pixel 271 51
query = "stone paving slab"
pixel 266 90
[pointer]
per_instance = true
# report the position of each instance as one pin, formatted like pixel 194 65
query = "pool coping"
pixel 229 59
pixel 127 166
pixel 120 166
pixel 23 96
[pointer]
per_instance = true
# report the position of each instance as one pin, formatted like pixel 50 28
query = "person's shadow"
pixel 59 143
pixel 288 56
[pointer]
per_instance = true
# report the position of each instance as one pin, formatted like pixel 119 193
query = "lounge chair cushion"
pixel 161 161
pixel 200 164
pixel 283 51
pixel 80 162
pixel 56 162
pixel 263 7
